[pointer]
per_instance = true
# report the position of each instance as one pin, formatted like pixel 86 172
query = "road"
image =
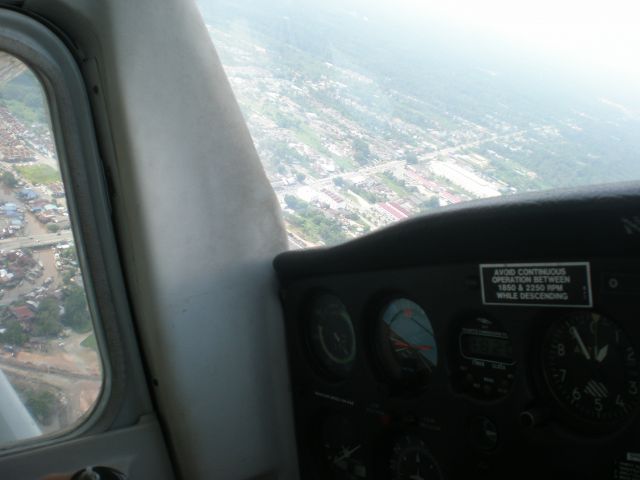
pixel 80 390
pixel 36 241
pixel 392 164
pixel 48 374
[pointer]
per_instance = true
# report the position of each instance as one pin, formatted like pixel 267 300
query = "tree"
pixel 69 254
pixel 47 321
pixel 294 203
pixel 67 276
pixel 76 311
pixel 53 227
pixel 9 179
pixel 14 334
pixel 361 151
pixel 42 405
pixel 411 158
pixel 430 203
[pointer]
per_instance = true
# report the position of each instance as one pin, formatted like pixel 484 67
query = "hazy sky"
pixel 601 34
pixel 596 42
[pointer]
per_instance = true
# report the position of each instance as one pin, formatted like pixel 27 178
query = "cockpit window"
pixel 368 113
pixel 51 374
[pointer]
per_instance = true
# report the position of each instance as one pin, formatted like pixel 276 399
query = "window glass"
pixel 50 370
pixel 367 113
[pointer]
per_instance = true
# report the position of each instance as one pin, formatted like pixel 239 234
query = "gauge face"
pixel 342 450
pixel 485 366
pixel 411 460
pixel 332 337
pixel 406 342
pixel 591 368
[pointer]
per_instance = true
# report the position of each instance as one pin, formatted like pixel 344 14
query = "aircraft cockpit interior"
pixel 338 240
pixel 471 343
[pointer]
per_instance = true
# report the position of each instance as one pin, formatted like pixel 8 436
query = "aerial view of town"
pixel 351 144
pixel 47 346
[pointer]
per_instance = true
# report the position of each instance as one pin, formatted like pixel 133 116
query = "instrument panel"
pixel 452 371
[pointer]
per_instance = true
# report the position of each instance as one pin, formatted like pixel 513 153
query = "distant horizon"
pixel 524 44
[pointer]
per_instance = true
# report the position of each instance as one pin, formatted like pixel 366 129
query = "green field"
pixel 43 174
pixel 90 342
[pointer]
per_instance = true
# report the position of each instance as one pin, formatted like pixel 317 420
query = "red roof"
pixel 395 210
pixel 22 313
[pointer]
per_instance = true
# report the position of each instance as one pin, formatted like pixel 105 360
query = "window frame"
pixel 72 127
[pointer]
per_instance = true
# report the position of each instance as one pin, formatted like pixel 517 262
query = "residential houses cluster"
pixel 11 220
pixel 20 144
pixel 47 204
pixel 17 266
pixel 14 146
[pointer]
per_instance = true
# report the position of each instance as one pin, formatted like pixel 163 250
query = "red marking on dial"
pixel 398 343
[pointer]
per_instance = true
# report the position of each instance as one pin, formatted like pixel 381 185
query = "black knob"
pixel 99 473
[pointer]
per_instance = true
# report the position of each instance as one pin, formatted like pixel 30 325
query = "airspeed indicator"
pixel 332 337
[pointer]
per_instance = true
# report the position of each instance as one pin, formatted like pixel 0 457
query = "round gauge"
pixel 484 358
pixel 342 451
pixel 411 460
pixel 332 337
pixel 591 368
pixel 406 343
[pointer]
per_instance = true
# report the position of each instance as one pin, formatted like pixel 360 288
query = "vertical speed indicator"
pixel 591 368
